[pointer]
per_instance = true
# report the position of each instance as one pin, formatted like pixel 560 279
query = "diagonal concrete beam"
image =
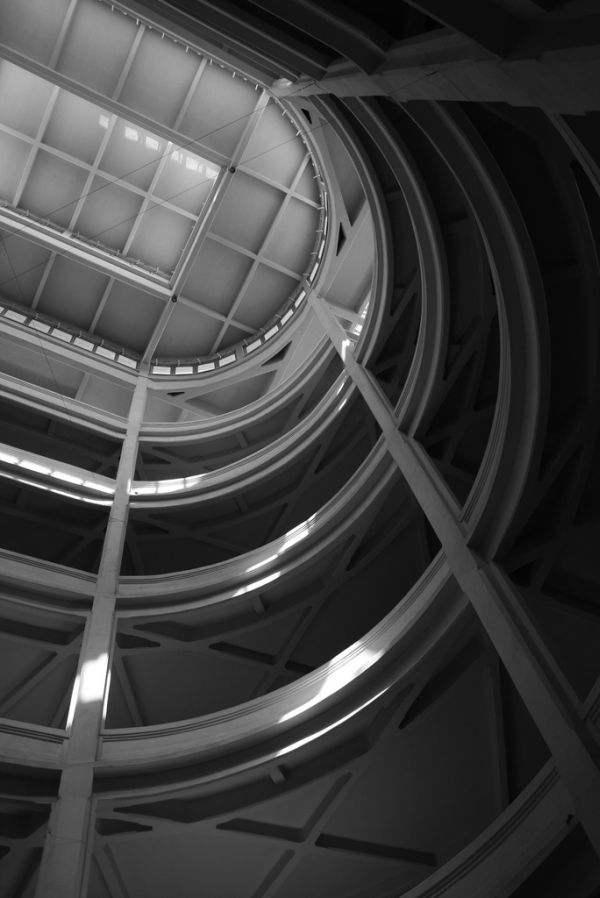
pixel 493 597
pixel 68 841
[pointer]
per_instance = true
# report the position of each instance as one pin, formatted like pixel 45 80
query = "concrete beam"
pixel 68 841
pixel 345 31
pixel 483 21
pixel 443 66
pixel 494 599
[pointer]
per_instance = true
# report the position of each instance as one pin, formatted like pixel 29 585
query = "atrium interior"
pixel 300 452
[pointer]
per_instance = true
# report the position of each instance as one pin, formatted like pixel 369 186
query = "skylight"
pixel 96 175
pixel 114 136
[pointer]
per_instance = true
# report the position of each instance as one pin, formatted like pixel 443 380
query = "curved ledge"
pixel 250 470
pixel 43 584
pixel 280 558
pixel 427 362
pixel 309 708
pixel 57 588
pixel 503 470
pixel 307 377
pixel 498 860
pixel 85 486
pixel 381 286
pixel 37 746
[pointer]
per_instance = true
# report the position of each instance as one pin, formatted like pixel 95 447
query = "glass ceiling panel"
pixel 97 175
pixel 23 98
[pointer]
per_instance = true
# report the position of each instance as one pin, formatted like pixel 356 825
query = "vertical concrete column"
pixel 68 842
pixel 539 682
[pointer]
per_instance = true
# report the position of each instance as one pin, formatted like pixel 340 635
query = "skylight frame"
pixel 97 177
pixel 207 56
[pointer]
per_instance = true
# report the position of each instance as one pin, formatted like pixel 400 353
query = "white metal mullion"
pixel 43 280
pixel 35 147
pixel 61 154
pixel 258 258
pixel 199 232
pixel 111 127
pixel 82 387
pixel 99 99
pixel 314 204
pixel 159 329
pixel 190 93
pixel 260 176
pixel 250 254
pixel 163 161
pixel 92 174
pixel 125 185
pixel 166 315
pixel 204 223
pixel 211 313
pixel 133 50
pixel 165 204
pixel 293 188
pixel 56 51
pixel 147 201
pixel 6 129
pixel 101 304
pixel 72 160
pixel 98 259
pixel 139 191
pixel 62 34
pixel 135 45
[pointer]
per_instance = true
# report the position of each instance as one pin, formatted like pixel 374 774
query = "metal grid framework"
pixel 143 174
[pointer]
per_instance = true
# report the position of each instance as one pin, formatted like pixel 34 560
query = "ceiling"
pixel 301 698
pixel 161 208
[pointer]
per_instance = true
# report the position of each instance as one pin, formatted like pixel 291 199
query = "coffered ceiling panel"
pixel 291 246
pixel 219 110
pixel 71 292
pixel 247 212
pixel 161 236
pixel 216 276
pixel 107 395
pixel 53 189
pixel 33 366
pixel 273 150
pixel 116 183
pixel 132 160
pixel 184 181
pixel 22 265
pixel 159 78
pixel 188 332
pixel 262 296
pixel 23 98
pixel 108 213
pixel 97 46
pixel 128 317
pixel 33 35
pixel 14 156
pixel 74 125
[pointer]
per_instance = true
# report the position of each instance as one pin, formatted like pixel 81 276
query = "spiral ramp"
pixel 299 464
